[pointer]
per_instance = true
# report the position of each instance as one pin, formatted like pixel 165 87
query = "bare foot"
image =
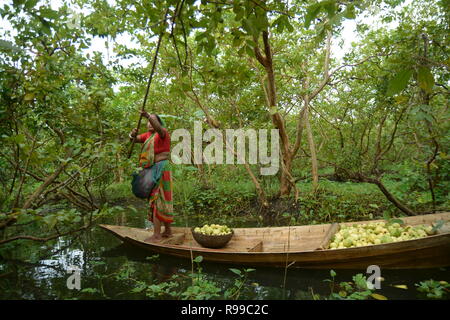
pixel 154 238
pixel 167 231
pixel 166 234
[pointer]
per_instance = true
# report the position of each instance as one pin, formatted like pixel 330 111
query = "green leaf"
pixel 198 259
pixel 360 281
pixel 46 27
pixel 261 22
pixel 141 288
pixel 421 112
pixel 51 221
pixel 311 13
pixel 279 24
pixel 200 36
pixel 17 3
pixel 396 220
pixel 89 290
pixel 238 11
pixel 289 26
pixel 330 7
pixel 438 225
pixel 399 82
pixel 8 46
pixel 349 12
pixel 332 273
pixel 248 27
pixel 249 51
pixel 49 13
pixel 210 45
pixel 152 258
pixel 237 41
pixel 133 209
pixel 237 271
pixel 425 79
pixel 251 43
pixel 31 4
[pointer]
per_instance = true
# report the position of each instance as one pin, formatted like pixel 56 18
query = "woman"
pixel 155 154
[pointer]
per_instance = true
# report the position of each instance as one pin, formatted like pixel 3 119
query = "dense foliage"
pixel 377 116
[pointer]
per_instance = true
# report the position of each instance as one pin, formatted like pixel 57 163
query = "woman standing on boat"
pixel 154 155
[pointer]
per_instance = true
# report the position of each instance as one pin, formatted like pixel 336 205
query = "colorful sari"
pixel 160 198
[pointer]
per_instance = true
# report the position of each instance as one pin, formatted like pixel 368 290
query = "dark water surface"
pixel 110 269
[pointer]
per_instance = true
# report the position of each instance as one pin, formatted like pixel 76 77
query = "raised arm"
pixel 155 123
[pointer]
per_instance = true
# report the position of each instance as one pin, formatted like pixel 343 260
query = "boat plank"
pixel 269 246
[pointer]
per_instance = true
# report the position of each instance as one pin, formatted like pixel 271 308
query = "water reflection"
pixel 60 262
pixel 112 269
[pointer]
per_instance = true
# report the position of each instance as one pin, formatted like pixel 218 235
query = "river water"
pixel 110 269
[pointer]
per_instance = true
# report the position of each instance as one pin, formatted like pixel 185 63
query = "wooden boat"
pixel 302 246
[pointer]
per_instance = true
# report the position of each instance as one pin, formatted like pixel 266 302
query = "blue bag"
pixel 142 183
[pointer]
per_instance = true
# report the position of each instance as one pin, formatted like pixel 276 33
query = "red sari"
pixel 160 200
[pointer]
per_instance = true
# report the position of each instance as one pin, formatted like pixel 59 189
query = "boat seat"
pixel 255 246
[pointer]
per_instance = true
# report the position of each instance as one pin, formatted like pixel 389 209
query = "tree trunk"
pixel 312 149
pixel 285 184
pixel 388 195
pixel 22 180
pixel 425 97
pixel 271 97
pixel 392 199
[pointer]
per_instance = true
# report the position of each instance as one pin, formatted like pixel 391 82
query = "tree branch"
pixel 46 238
